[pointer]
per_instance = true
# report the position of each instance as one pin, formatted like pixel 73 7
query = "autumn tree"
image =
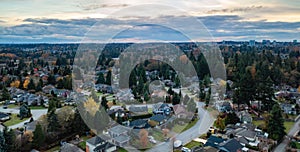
pixel 143 134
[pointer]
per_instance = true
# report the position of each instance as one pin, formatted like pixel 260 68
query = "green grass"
pixel 288 126
pixel 295 145
pixel 82 145
pixel 56 148
pixel 258 122
pixel 12 106
pixel 14 120
pixel 181 128
pixel 192 144
pixel 158 136
pixel 37 107
pixel 121 150
pixel 190 125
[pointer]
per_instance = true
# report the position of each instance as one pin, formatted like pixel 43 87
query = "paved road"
pixel 201 127
pixel 281 147
pixel 35 114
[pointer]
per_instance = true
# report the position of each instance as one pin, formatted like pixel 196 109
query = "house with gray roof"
pixel 97 144
pixel 118 130
pixel 231 145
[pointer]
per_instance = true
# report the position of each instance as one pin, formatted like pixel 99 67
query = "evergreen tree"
pixel 31 85
pixel 25 111
pixel 275 126
pixel 10 139
pixel 53 124
pixel 104 103
pixel 108 78
pixel 146 96
pixel 39 86
pixel 78 125
pixel 60 84
pixel 5 94
pixel 101 79
pixel 3 144
pixel 38 136
pixel 51 79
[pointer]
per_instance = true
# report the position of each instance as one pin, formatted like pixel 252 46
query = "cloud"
pixel 229 27
pixel 95 6
pixel 234 10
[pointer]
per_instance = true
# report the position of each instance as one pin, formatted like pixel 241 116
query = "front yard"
pixel 192 144
pixel 181 128
pixel 14 120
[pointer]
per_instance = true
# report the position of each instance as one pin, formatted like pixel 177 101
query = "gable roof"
pixel 158 118
pixel 3 115
pixel 138 123
pixel 231 145
pixel 67 147
pixel 95 140
pixel 121 139
pixel 214 141
pixel 119 129
pixel 246 133
pixel 138 108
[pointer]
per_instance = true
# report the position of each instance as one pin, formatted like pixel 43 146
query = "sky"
pixel 68 21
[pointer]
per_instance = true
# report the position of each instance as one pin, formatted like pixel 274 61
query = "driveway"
pixel 201 127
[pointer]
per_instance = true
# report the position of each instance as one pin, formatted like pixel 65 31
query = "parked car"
pixel 185 149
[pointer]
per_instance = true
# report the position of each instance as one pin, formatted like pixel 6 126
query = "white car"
pixel 185 149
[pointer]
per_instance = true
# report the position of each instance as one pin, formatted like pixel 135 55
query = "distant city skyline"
pixel 53 21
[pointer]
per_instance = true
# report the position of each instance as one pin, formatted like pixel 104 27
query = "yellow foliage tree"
pixel 25 84
pixel 15 84
pixel 91 106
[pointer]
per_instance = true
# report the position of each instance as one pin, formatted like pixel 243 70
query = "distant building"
pixel 294 41
pixel 252 42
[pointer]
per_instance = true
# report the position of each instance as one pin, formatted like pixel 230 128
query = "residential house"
pixel 68 147
pixel 139 124
pixel 231 145
pixel 138 110
pixel 48 88
pixel 97 144
pixel 223 106
pixel 181 112
pixel 213 141
pixel 160 119
pixel 244 116
pixel 119 135
pixel 4 116
pixel 288 108
pixel 162 108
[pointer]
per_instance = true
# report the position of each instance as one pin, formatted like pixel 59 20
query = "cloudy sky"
pixel 59 21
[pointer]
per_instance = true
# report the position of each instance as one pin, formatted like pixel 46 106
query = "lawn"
pixel 295 145
pixel 14 120
pixel 288 126
pixel 121 150
pixel 181 128
pixel 157 135
pixel 192 144
pixel 37 107
pixel 82 145
pixel 258 122
pixel 12 106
